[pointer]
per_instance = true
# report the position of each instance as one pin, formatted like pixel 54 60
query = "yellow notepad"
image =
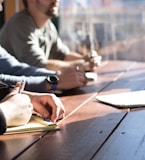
pixel 35 124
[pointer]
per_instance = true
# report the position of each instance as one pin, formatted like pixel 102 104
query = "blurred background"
pixel 115 28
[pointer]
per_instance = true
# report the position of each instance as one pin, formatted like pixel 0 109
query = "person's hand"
pixel 71 77
pixel 92 60
pixel 47 106
pixel 17 108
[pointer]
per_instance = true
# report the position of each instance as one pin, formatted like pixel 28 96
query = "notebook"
pixel 35 124
pixel 132 99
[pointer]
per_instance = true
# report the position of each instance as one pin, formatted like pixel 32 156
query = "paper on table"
pixel 35 124
pixel 91 76
pixel 124 100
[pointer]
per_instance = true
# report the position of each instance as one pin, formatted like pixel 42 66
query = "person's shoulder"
pixel 18 22
pixel 21 16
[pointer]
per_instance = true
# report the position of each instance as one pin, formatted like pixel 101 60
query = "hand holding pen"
pixel 92 60
pixel 95 58
pixel 92 56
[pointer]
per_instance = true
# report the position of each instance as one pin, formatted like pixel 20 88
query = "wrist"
pixel 52 82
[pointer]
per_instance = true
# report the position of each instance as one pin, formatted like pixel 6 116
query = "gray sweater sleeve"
pixel 2 123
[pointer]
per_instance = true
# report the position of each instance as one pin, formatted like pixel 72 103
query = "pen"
pixel 42 121
pixel 22 86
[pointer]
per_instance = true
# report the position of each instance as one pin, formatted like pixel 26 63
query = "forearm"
pixel 73 56
pixel 35 84
pixel 75 59
pixel 57 64
pixel 69 61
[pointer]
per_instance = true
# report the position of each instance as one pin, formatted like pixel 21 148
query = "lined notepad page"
pixel 35 124
pixel 124 100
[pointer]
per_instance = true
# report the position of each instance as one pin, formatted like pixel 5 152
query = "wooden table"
pixel 90 130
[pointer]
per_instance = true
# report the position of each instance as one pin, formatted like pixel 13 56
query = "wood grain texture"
pixel 89 128
pixel 128 141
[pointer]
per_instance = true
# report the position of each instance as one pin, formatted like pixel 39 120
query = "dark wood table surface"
pixel 90 130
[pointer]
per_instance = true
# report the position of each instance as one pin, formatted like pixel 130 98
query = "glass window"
pixel 115 28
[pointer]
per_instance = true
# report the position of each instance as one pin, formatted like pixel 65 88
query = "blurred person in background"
pixel 32 38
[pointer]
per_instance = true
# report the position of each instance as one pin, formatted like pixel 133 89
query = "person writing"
pixel 14 112
pixel 33 39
